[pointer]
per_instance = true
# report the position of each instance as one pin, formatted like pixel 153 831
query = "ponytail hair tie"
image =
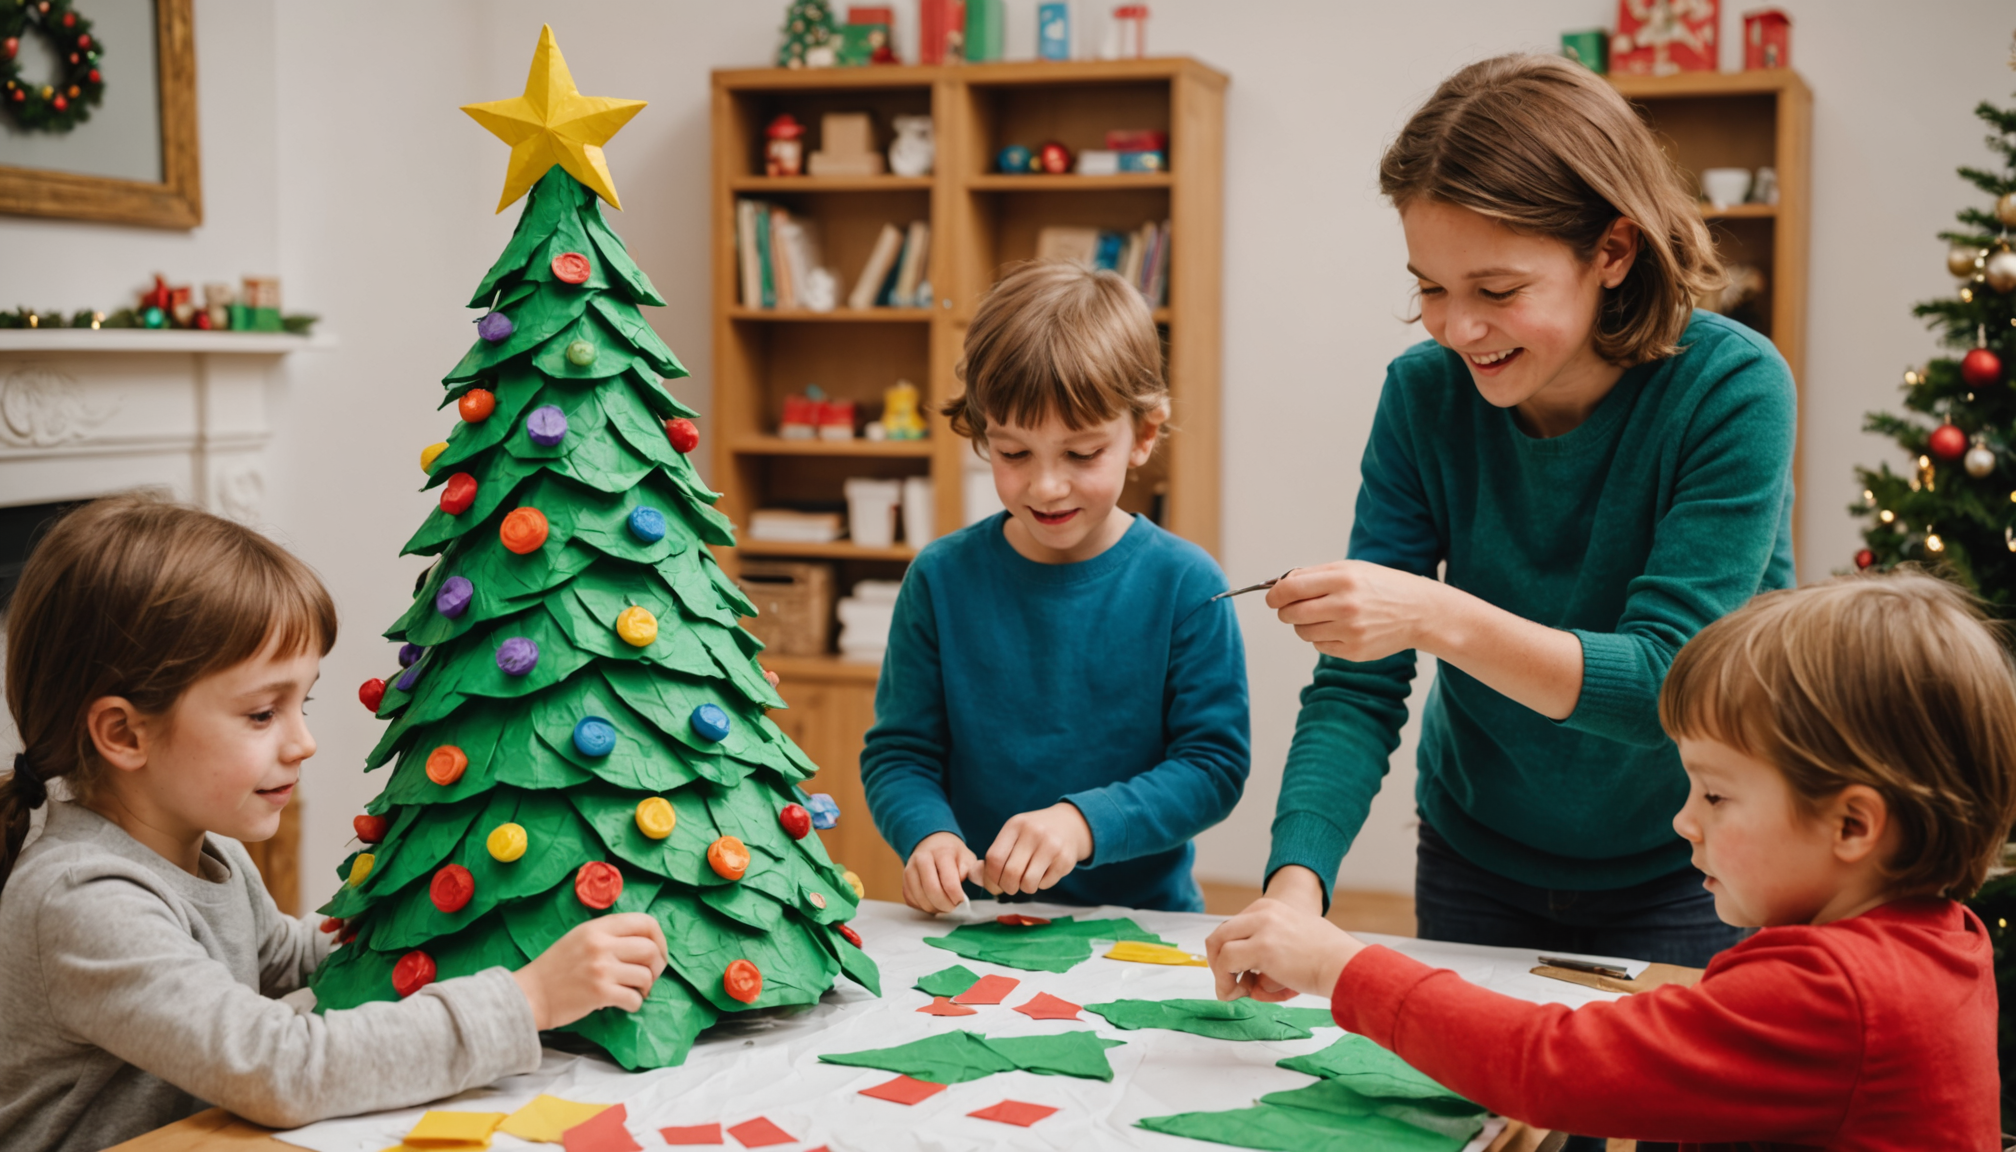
pixel 27 785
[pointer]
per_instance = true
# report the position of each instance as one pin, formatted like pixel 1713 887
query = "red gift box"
pixel 1136 140
pixel 1767 39
pixel 1662 37
pixel 941 31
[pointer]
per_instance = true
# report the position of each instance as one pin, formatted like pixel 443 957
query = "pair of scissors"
pixel 1253 587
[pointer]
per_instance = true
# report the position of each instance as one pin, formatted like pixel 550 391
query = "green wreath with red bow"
pixel 60 106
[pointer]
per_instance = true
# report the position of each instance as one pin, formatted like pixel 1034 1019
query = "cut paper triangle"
pixel 602 1132
pixel 1014 1112
pixel 943 1006
pixel 904 1090
pixel 760 1133
pixel 454 1129
pixel 694 1134
pixel 1044 1006
pixel 546 1118
pixel 987 990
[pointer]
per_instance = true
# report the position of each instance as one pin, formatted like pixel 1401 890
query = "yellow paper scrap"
pixel 1138 952
pixel 546 1117
pixel 454 1130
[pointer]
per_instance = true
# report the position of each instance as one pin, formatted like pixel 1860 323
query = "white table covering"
pixel 769 1065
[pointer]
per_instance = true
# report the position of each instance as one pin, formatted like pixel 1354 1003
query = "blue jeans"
pixel 1671 920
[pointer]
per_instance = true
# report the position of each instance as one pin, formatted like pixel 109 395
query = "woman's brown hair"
pixel 134 596
pixel 1895 682
pixel 1548 148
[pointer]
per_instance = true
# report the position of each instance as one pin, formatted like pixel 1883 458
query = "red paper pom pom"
pixel 414 971
pixel 371 693
pixel 683 434
pixel 476 405
pixel 452 888
pixel 332 924
pixel 570 268
pixel 1864 558
pixel 1948 442
pixel 458 493
pixel 598 884
pixel 796 821
pixel 743 981
pixel 848 934
pixel 1980 368
pixel 523 531
pixel 371 829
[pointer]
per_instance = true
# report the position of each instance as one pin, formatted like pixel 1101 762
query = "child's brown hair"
pixel 134 596
pixel 1058 338
pixel 1892 681
pixel 1548 148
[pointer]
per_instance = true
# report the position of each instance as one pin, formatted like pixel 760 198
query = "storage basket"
pixel 794 605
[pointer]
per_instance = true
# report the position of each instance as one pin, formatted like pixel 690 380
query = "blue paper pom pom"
pixel 825 813
pixel 647 524
pixel 594 736
pixel 710 722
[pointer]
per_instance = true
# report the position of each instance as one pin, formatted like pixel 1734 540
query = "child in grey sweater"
pixel 157 662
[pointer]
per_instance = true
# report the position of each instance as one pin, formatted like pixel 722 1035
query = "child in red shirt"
pixel 1851 751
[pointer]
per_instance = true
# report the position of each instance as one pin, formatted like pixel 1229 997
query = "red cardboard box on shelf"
pixel 1662 37
pixel 1767 39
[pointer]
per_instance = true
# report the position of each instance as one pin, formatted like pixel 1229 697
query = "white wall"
pixel 333 150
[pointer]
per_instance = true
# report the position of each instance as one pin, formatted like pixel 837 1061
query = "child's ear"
pixel 118 731
pixel 1858 818
pixel 1147 429
pixel 1617 252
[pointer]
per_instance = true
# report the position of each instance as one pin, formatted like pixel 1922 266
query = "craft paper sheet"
pixel 767 1065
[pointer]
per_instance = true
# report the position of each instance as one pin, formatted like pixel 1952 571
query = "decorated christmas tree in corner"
pixel 578 726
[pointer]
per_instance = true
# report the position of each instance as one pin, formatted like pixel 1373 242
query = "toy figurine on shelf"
pixel 836 420
pixel 216 312
pixel 801 415
pixel 784 150
pixel 915 149
pixel 901 419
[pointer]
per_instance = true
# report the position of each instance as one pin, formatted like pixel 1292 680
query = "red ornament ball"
pixel 570 268
pixel 743 981
pixel 371 693
pixel 93 76
pixel 414 971
pixel 69 19
pixel 476 405
pixel 458 493
pixel 1980 368
pixel 84 41
pixel 61 103
pixel 371 829
pixel 20 95
pixel 598 884
pixel 523 531
pixel 1948 442
pixel 1054 158
pixel 452 888
pixel 683 433
pixel 332 924
pixel 848 934
pixel 1864 558
pixel 10 46
pixel 796 821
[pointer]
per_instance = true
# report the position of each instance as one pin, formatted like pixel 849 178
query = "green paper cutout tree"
pixel 584 350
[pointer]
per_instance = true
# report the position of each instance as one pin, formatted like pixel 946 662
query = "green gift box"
pixel 1591 47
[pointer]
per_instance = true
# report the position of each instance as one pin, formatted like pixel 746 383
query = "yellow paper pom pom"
pixel 854 882
pixel 361 867
pixel 637 626
pixel 506 843
pixel 655 817
pixel 431 453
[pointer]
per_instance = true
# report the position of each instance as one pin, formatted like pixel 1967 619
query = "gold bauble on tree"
pixel 1980 461
pixel 2001 271
pixel 1960 260
pixel 2005 209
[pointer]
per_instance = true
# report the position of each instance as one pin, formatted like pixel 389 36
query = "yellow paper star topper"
pixel 552 123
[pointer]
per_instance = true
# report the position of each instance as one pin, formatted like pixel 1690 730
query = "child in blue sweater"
pixel 1060 690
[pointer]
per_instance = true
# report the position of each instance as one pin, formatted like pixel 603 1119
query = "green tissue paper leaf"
pixel 1367 1069
pixel 1058 946
pixel 657 1035
pixel 1302 1130
pixel 1221 1020
pixel 946 1058
pixel 1080 1053
pixel 947 981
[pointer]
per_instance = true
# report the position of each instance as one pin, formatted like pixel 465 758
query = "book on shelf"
pixel 897 269
pixel 1141 256
pixel 778 254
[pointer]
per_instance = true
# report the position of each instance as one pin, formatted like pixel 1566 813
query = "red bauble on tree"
pixel 1864 558
pixel 1948 442
pixel 1980 368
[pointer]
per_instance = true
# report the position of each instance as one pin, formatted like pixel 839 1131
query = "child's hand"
pixel 1037 849
pixel 937 869
pixel 1272 942
pixel 609 962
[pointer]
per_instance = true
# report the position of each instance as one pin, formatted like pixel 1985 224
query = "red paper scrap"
pixel 943 1006
pixel 904 1090
pixel 987 990
pixel 759 1133
pixel 602 1132
pixel 1044 1006
pixel 1017 920
pixel 695 1134
pixel 1014 1112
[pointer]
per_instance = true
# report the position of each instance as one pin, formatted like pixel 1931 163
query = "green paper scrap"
pixel 1221 1020
pixel 947 982
pixel 957 1057
pixel 1449 1114
pixel 1301 1130
pixel 1368 1069
pixel 1058 946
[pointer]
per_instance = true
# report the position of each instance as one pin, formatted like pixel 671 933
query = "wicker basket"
pixel 794 605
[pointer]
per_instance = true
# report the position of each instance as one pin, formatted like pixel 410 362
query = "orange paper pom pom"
pixel 598 884
pixel 476 405
pixel 743 981
pixel 728 857
pixel 446 764
pixel 523 531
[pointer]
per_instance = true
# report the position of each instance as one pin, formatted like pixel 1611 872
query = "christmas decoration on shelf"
pixel 784 147
pixel 581 727
pixel 811 36
pixel 1662 37
pixel 58 103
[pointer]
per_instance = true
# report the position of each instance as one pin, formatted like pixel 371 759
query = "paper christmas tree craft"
pixel 579 724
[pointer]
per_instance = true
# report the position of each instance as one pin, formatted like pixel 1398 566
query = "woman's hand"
pixel 1272 944
pixel 1358 611
pixel 938 867
pixel 1037 849
pixel 609 962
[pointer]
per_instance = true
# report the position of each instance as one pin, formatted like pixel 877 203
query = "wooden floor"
pixel 1389 912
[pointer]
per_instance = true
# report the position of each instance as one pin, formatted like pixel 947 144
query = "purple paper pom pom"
pixel 546 426
pixel 409 655
pixel 453 598
pixel 494 326
pixel 409 677
pixel 517 656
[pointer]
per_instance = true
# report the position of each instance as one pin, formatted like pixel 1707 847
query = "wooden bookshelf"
pixel 981 221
